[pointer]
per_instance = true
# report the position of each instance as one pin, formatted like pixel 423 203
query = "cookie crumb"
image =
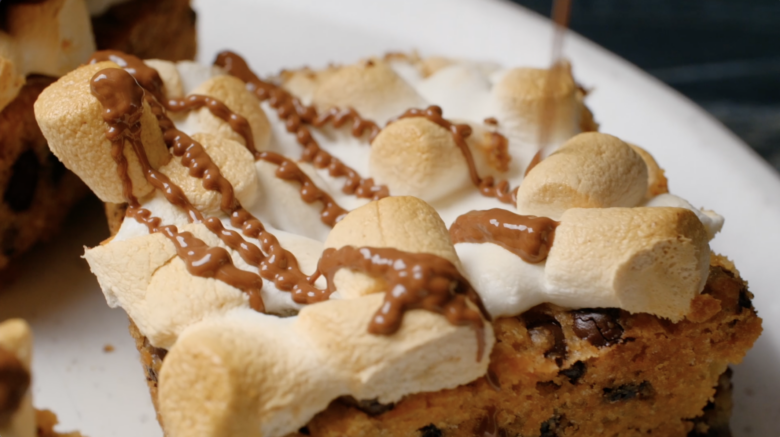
pixel 108 348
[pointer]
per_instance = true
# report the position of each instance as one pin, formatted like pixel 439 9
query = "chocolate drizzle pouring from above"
pixel 415 280
pixel 295 114
pixel 123 98
pixel 527 236
pixel 487 186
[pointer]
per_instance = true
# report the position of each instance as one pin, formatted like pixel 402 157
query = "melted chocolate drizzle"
pixel 239 124
pixel 339 117
pixel 527 236
pixel 331 212
pixel 150 80
pixel 487 186
pixel 415 280
pixel 122 98
pixel 295 114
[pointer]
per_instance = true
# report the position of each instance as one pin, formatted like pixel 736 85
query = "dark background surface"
pixel 723 54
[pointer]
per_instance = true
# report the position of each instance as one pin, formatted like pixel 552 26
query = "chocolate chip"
pixel 599 326
pixel 540 320
pixel 744 300
pixel 21 187
pixel 430 431
pixel 550 427
pixel 304 431
pixel 575 372
pixel 626 392
pixel 372 407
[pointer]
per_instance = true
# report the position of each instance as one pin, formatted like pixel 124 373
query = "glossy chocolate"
pixel 414 281
pixel 526 236
pixel 295 114
pixel 487 186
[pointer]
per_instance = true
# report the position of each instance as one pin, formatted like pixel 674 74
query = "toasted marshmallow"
pixel 417 157
pixel 172 84
pixel 372 88
pixel 233 93
pixel 403 223
pixel 521 96
pixel 16 338
pixel 54 36
pixel 712 221
pixel 76 133
pixel 644 260
pixel 210 380
pixel 591 170
pixel 152 284
pixel 433 64
pixel 656 180
pixel 303 83
pixel 193 74
pixel 235 163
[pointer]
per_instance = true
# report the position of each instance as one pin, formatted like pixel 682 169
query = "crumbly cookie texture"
pixel 301 166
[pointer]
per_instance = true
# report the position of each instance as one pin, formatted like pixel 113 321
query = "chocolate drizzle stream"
pixel 14 382
pixel 239 124
pixel 331 212
pixel 295 114
pixel 487 186
pixel 150 80
pixel 339 117
pixel 415 280
pixel 526 236
pixel 122 100
pixel 561 12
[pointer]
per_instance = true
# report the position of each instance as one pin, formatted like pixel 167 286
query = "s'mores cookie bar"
pixel 382 248
pixel 43 40
pixel 18 418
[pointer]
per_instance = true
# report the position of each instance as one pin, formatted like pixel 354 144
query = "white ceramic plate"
pixel 103 394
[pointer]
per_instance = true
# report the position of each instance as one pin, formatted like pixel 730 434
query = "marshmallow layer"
pixel 619 243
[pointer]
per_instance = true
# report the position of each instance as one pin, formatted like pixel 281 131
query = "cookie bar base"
pixel 149 29
pixel 568 373
pixel 37 190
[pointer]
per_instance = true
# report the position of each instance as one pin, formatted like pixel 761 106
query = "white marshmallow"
pixel 76 133
pixel 211 379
